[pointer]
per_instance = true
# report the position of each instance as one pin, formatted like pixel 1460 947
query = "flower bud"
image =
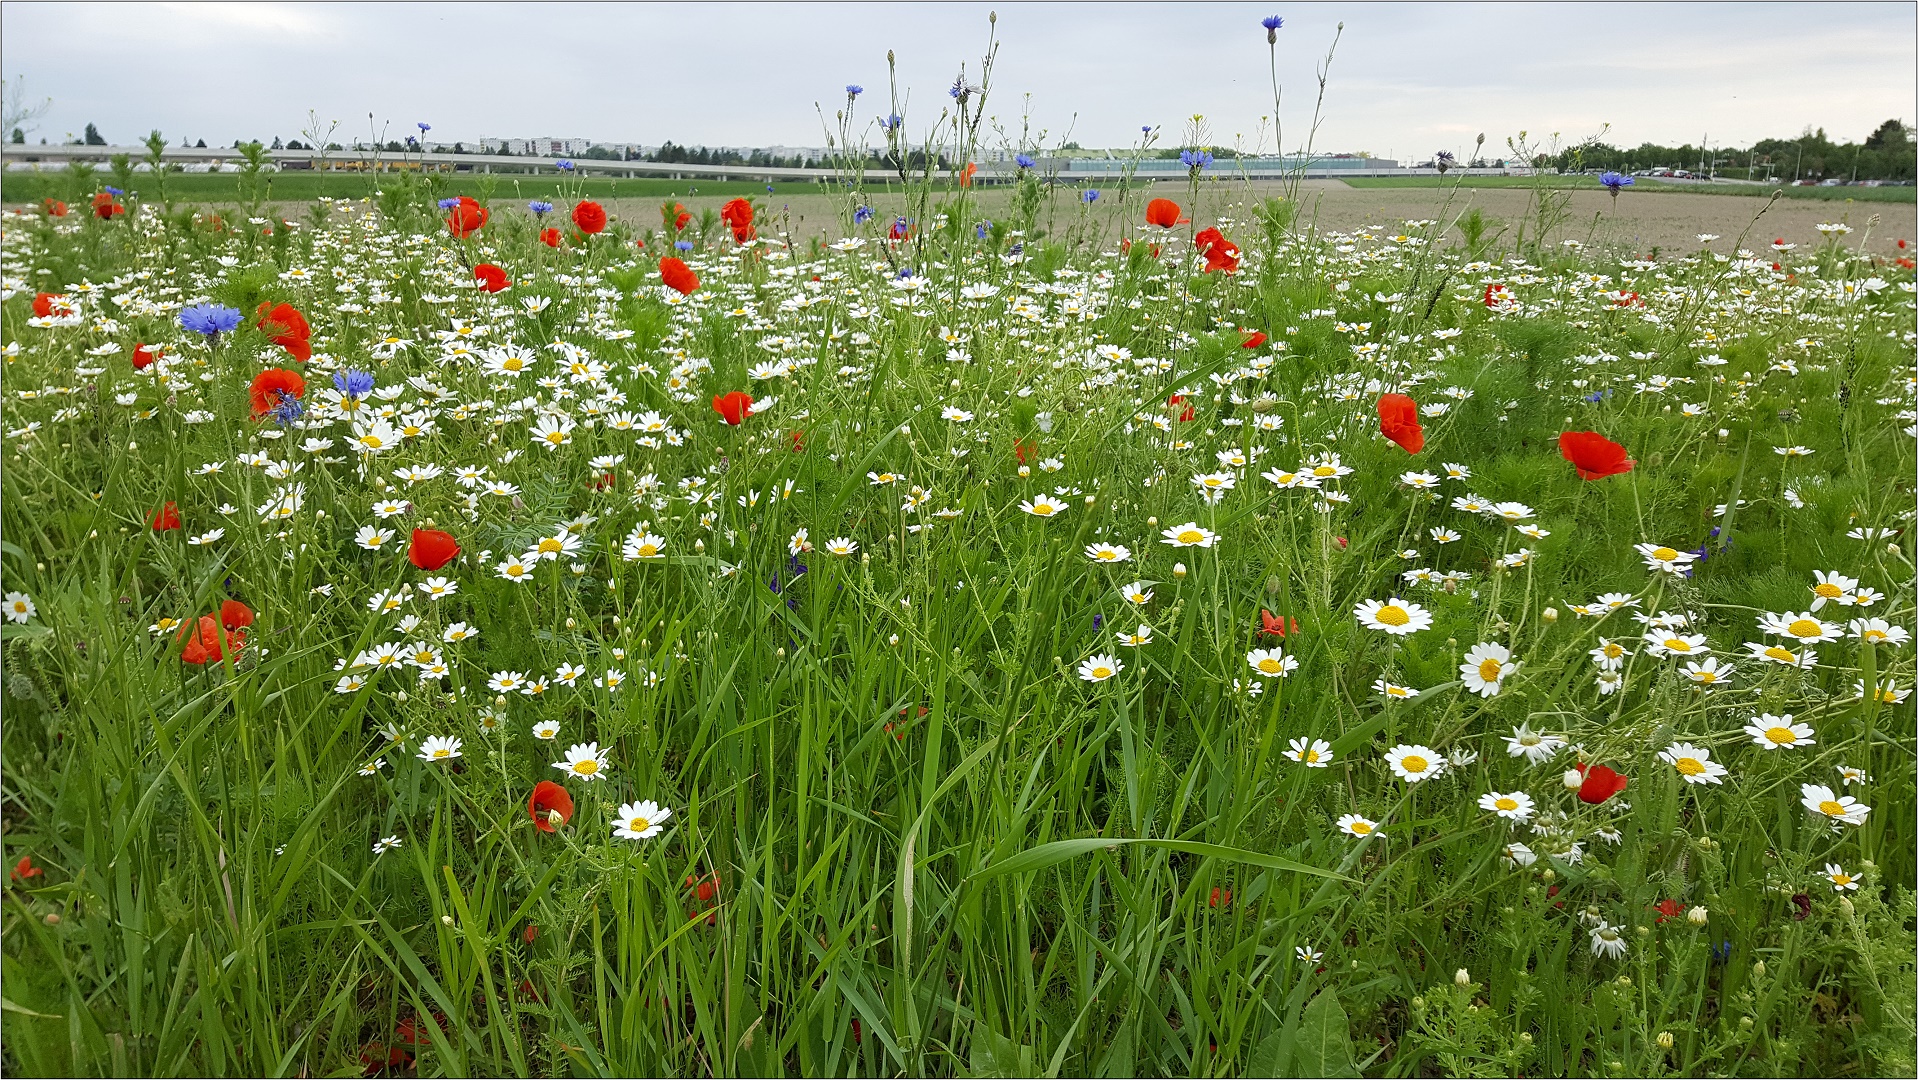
pixel 571 623
pixel 1573 779
pixel 1758 969
pixel 1665 1040
pixel 1462 977
pixel 1550 614
pixel 447 919
pixel 1697 915
pixel 1178 570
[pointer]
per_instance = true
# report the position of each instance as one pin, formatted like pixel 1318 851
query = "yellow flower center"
pixel 1841 880
pixel 548 545
pixel 372 442
pixel 1309 757
pixel 1614 650
pixel 647 551
pixel 1827 590
pixel 1325 470
pixel 1361 828
pixel 1664 554
pixel 1781 655
pixel 1413 763
pixel 440 753
pixel 639 824
pixel 587 767
pixel 1805 628
pixel 1781 735
pixel 1101 672
pixel 1042 509
pixel 1108 556
pixel 1393 615
pixel 1830 808
pixel 1875 635
pixel 1191 536
pixel 1506 802
pixel 1489 670
pixel 555 437
pixel 1270 666
pixel 1688 766
pixel 1678 645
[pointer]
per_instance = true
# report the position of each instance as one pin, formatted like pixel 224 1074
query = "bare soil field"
pixel 1638 223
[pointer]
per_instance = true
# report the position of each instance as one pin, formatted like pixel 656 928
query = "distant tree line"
pixel 1889 153
pixel 672 153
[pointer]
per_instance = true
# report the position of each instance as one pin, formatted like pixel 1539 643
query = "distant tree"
pixel 277 144
pixel 201 144
pixel 93 138
pixel 19 136
pixel 459 148
pixel 295 144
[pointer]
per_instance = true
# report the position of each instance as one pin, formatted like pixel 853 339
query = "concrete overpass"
pixel 1088 170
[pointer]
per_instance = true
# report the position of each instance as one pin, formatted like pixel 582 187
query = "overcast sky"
pixel 1408 79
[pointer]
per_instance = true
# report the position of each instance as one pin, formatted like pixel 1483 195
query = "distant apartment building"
pixel 545 146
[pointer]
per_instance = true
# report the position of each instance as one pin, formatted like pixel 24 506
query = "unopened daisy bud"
pixel 1025 470
pixel 447 919
pixel 1665 1040
pixel 401 695
pixel 133 446
pixel 1844 905
pixel 893 640
pixel 571 623
pixel 1758 971
pixel 1697 915
pixel 1462 977
pixel 699 545
pixel 499 700
pixel 1623 981
pixel 1550 614
pixel 1091 500
pixel 780 652
pixel 1152 521
pixel 555 818
pixel 1745 1022
pixel 616 621
pixel 1549 874
pixel 1573 779
pixel 1178 570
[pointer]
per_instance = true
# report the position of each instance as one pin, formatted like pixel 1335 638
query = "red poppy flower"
pixel 1399 422
pixel 1497 295
pixel 678 276
pixel 1253 338
pixel 105 207
pixel 549 799
pixel 1220 253
pixel 733 407
pixel 705 888
pixel 166 518
pixel 490 277
pixel 1272 625
pixel 207 641
pixel 965 175
pixel 47 304
pixel 145 355
pixel 739 214
pixel 1595 455
pixel 532 929
pixel 1187 414
pixel 235 615
pixel 1024 450
pixel 288 329
pixel 24 870
pixel 901 230
pixel 799 442
pixel 1601 783
pixel 56 208
pixel 270 387
pixel 1221 898
pixel 1164 213
pixel 674 215
pixel 432 549
pixel 589 216
pixel 466 218
pixel 549 237
pixel 1668 909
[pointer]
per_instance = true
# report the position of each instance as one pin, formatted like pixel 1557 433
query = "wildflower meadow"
pixel 1030 631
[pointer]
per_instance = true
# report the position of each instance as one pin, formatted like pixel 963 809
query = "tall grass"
pixel 906 836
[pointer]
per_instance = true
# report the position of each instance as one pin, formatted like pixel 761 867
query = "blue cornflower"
pixel 288 409
pixel 1721 952
pixel 769 189
pixel 448 204
pixel 1445 160
pixel 563 165
pixel 905 272
pixel 1196 159
pixel 980 230
pixel 854 89
pixel 891 122
pixel 1614 181
pixel 540 207
pixel 352 382
pixel 1017 249
pixel 862 215
pixel 1271 24
pixel 1024 161
pixel 1146 128
pixel 424 127
pixel 115 192
pixel 1098 621
pixel 682 245
pixel 210 319
pixel 1091 195
pixel 411 141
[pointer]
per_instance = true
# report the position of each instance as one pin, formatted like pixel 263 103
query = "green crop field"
pixel 454 640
